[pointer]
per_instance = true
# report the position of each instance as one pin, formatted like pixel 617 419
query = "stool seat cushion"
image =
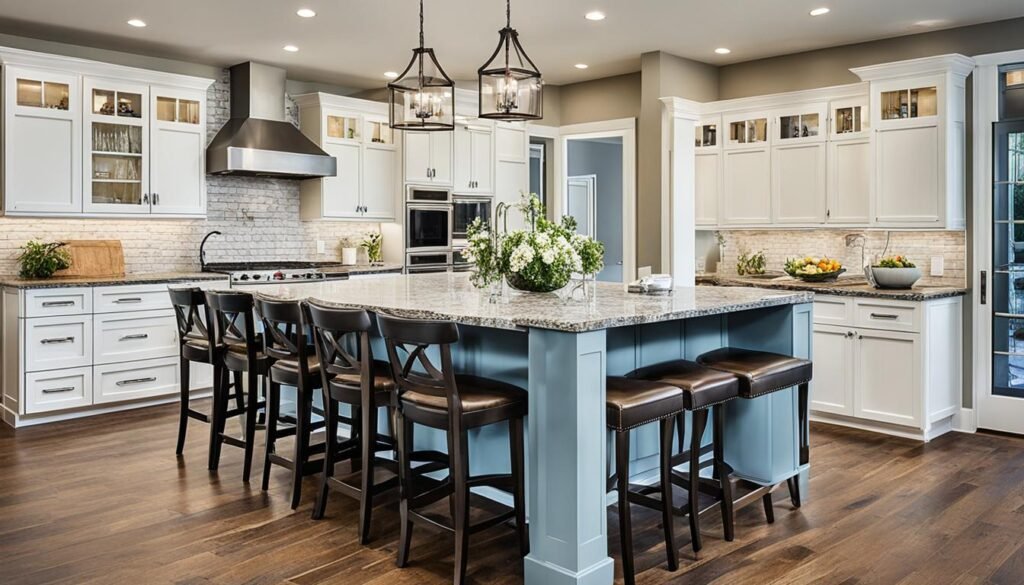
pixel 236 359
pixel 759 372
pixel 196 350
pixel 285 371
pixel 702 387
pixel 632 402
pixel 382 380
pixel 477 394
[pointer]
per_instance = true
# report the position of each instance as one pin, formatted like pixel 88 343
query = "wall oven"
pixel 428 226
pixel 424 262
pixel 466 209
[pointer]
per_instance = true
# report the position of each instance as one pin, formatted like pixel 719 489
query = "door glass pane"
pixel 30 93
pixel 848 120
pixel 42 94
pixel 188 111
pixel 789 127
pixel 116 167
pixel 738 132
pixel 103 102
pixel 923 102
pixel 116 138
pixel 758 130
pixel 129 105
pixel 707 135
pixel 1008 260
pixel 57 95
pixel 343 127
pixel 380 133
pixel 116 193
pixel 166 109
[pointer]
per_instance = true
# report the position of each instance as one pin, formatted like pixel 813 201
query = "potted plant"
pixel 893 272
pixel 42 259
pixel 372 244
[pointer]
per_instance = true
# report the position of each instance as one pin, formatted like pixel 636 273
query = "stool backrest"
pixel 408 341
pixel 189 307
pixel 284 330
pixel 335 332
pixel 230 316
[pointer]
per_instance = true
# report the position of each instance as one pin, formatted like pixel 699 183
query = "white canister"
pixel 349 256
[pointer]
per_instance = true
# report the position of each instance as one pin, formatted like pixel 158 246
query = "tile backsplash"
pixel 778 245
pixel 259 219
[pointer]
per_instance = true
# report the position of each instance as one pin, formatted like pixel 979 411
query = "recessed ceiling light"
pixel 582 65
pixel 137 23
pixel 820 11
pixel 390 75
pixel 306 12
pixel 723 51
pixel 290 48
pixel 595 15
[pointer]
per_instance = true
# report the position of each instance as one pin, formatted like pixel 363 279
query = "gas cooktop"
pixel 288 270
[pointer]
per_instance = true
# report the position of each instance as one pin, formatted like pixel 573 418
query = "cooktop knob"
pixel 244 277
pixel 278 275
pixel 257 276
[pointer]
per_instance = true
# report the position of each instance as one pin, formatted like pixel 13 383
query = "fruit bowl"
pixel 810 269
pixel 893 272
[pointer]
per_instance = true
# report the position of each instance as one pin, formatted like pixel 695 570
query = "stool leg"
pixel 667 517
pixel 700 421
pixel 251 408
pixel 273 406
pixel 220 386
pixel 721 473
pixel 460 469
pixel 769 507
pixel 405 437
pixel 183 417
pixel 303 418
pixel 625 521
pixel 519 484
pixel 794 490
pixel 330 452
pixel 368 445
pixel 805 446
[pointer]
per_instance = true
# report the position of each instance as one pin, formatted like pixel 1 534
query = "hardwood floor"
pixel 104 500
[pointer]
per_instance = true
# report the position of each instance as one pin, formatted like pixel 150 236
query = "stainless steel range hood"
pixel 257 141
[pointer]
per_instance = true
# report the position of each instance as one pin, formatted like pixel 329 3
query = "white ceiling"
pixel 352 42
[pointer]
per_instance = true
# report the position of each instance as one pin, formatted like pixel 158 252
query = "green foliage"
pixel 41 260
pixel 895 262
pixel 372 244
pixel 748 263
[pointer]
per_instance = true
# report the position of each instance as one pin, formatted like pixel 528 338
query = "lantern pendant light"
pixel 511 87
pixel 423 96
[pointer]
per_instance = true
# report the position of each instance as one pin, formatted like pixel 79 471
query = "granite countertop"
pixel 847 286
pixel 451 296
pixel 366 269
pixel 145 278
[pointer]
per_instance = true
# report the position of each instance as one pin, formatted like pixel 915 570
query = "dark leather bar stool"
pixel 632 403
pixel 293 362
pixel 437 397
pixel 703 389
pixel 238 351
pixel 352 377
pixel 761 373
pixel 194 343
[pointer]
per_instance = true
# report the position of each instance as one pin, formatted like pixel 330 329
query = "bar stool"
pixel 455 403
pixel 703 389
pixel 194 343
pixel 238 351
pixel 292 363
pixel 761 373
pixel 354 378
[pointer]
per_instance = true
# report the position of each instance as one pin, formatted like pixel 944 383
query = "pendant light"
pixel 511 87
pixel 423 96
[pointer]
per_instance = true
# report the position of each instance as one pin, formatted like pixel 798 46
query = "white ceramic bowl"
pixel 895 277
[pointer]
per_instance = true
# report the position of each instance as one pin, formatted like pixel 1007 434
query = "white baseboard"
pixel 965 421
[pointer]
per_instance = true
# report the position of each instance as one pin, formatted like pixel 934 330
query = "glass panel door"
pixel 117 139
pixel 1008 261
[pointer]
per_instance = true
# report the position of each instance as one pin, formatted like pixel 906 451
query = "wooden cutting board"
pixel 94 258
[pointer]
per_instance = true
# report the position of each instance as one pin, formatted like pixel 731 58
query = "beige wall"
pixel 831 66
pixel 609 98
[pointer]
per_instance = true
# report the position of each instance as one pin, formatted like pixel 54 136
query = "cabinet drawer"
pixel 142 297
pixel 832 310
pixel 118 382
pixel 57 390
pixel 57 342
pixel 888 316
pixel 50 302
pixel 121 337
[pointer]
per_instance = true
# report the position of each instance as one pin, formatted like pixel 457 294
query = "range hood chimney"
pixel 257 141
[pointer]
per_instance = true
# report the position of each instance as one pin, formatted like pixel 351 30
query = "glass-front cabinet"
pixel 706 133
pixel 911 102
pixel 745 132
pixel 804 123
pixel 117 147
pixel 849 118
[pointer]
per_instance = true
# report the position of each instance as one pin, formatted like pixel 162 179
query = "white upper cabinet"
pixel 747 184
pixel 798 164
pixel 428 157
pixel 474 157
pixel 708 171
pixel 42 135
pixel 850 162
pixel 357 134
pixel 799 124
pixel 87 138
pixel 511 142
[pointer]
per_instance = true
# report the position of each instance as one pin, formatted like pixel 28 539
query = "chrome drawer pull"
pixel 134 336
pixel 58 303
pixel 884 316
pixel 57 340
pixel 128 300
pixel 136 381
pixel 58 390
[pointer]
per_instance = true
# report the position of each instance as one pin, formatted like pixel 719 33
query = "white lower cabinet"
pixel 887 365
pixel 58 390
pixel 134 380
pixel 57 342
pixel 121 337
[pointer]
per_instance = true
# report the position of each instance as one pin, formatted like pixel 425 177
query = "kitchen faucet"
pixel 202 252
pixel 855 240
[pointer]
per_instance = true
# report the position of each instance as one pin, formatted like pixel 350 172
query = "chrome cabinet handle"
pixel 134 336
pixel 887 316
pixel 58 390
pixel 136 381
pixel 126 300
pixel 156 199
pixel 145 199
pixel 57 340
pixel 58 303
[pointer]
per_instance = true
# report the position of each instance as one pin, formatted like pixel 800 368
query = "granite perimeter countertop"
pixel 846 286
pixel 146 278
pixel 451 296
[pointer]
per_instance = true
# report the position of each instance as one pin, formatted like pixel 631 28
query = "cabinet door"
pixel 907 176
pixel 43 134
pixel 832 389
pixel 341 192
pixel 708 179
pixel 747 187
pixel 511 142
pixel 417 157
pixel 463 159
pixel 441 155
pixel 887 377
pixel 482 156
pixel 380 182
pixel 117 147
pixel 849 181
pixel 177 171
pixel 798 183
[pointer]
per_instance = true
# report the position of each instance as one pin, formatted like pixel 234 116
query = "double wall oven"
pixel 436 223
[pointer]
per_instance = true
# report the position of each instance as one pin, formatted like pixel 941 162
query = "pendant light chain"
pixel 421 24
pixel 422 98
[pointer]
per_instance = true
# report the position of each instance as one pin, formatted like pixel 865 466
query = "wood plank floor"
pixel 105 500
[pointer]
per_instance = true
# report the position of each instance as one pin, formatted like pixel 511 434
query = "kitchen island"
pixel 561 349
